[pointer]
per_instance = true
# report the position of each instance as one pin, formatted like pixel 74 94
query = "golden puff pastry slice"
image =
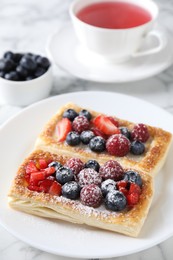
pixel 50 203
pixel 151 161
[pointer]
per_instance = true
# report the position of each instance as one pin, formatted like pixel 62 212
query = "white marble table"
pixel 25 26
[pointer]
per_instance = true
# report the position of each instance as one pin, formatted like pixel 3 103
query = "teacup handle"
pixel 161 38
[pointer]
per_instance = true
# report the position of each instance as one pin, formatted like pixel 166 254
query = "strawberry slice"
pixel 114 121
pixel 134 188
pixel 49 171
pixel 132 198
pixel 34 187
pixel 105 125
pixel 123 190
pixel 31 167
pixel 35 177
pixel 42 163
pixel 45 185
pixel 63 127
pixel 97 132
pixel 55 189
pixel 122 184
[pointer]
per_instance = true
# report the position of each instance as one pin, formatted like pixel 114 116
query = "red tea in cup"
pixel 114 15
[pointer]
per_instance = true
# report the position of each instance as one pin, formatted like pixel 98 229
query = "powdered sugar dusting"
pixel 89 176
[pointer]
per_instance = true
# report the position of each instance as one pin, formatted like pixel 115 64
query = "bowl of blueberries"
pixel 24 78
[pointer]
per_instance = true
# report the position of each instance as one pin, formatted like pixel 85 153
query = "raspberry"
pixel 75 164
pixel 118 145
pixel 89 176
pixel 91 195
pixel 140 133
pixel 80 124
pixel 112 170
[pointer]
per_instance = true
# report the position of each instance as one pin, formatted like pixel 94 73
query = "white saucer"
pixel 65 51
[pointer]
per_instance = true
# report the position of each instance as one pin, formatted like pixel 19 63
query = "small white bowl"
pixel 23 93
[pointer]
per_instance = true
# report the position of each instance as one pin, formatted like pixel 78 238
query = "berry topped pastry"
pixel 91 134
pixel 101 195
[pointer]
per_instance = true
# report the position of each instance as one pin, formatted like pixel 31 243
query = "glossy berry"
pixel 75 164
pixel 28 63
pixel 63 127
pixel 73 138
pixel 97 144
pixel 108 185
pixel 64 174
pixel 6 65
pixel 132 176
pixel 8 55
pixel 71 190
pixel 85 113
pixel 93 164
pixel 140 132
pixel 39 72
pixel 55 164
pixel 112 170
pixel 43 62
pixel 118 145
pixel 115 201
pixel 70 114
pixel 89 176
pixel 80 124
pixel 86 136
pixel 137 148
pixel 107 125
pixel 22 71
pixel 12 75
pixel 2 74
pixel 125 131
pixel 97 132
pixel 91 196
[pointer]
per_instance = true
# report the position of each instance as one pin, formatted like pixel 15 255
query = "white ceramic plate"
pixel 65 51
pixel 17 137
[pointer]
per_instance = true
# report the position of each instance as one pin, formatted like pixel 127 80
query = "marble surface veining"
pixel 25 27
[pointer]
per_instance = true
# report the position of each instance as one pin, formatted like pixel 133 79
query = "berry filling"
pixel 101 133
pixel 90 183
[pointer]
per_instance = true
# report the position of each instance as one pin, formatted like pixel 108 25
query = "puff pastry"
pixel 128 222
pixel 150 162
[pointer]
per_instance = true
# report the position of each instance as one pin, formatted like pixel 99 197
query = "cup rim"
pixel 74 17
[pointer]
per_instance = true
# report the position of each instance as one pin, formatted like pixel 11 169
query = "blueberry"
pixel 39 72
pixel 8 55
pixel 64 174
pixel 2 74
pixel 28 63
pixel 93 164
pixel 86 136
pixel 22 71
pixel 43 62
pixel 73 138
pixel 125 131
pixel 70 114
pixel 55 164
pixel 71 190
pixel 115 201
pixel 132 176
pixel 85 113
pixel 6 65
pixel 137 147
pixel 97 144
pixel 12 75
pixel 107 186
pixel 30 77
pixel 17 57
pixel 13 56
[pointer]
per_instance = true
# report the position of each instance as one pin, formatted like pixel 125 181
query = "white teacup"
pixel 117 44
